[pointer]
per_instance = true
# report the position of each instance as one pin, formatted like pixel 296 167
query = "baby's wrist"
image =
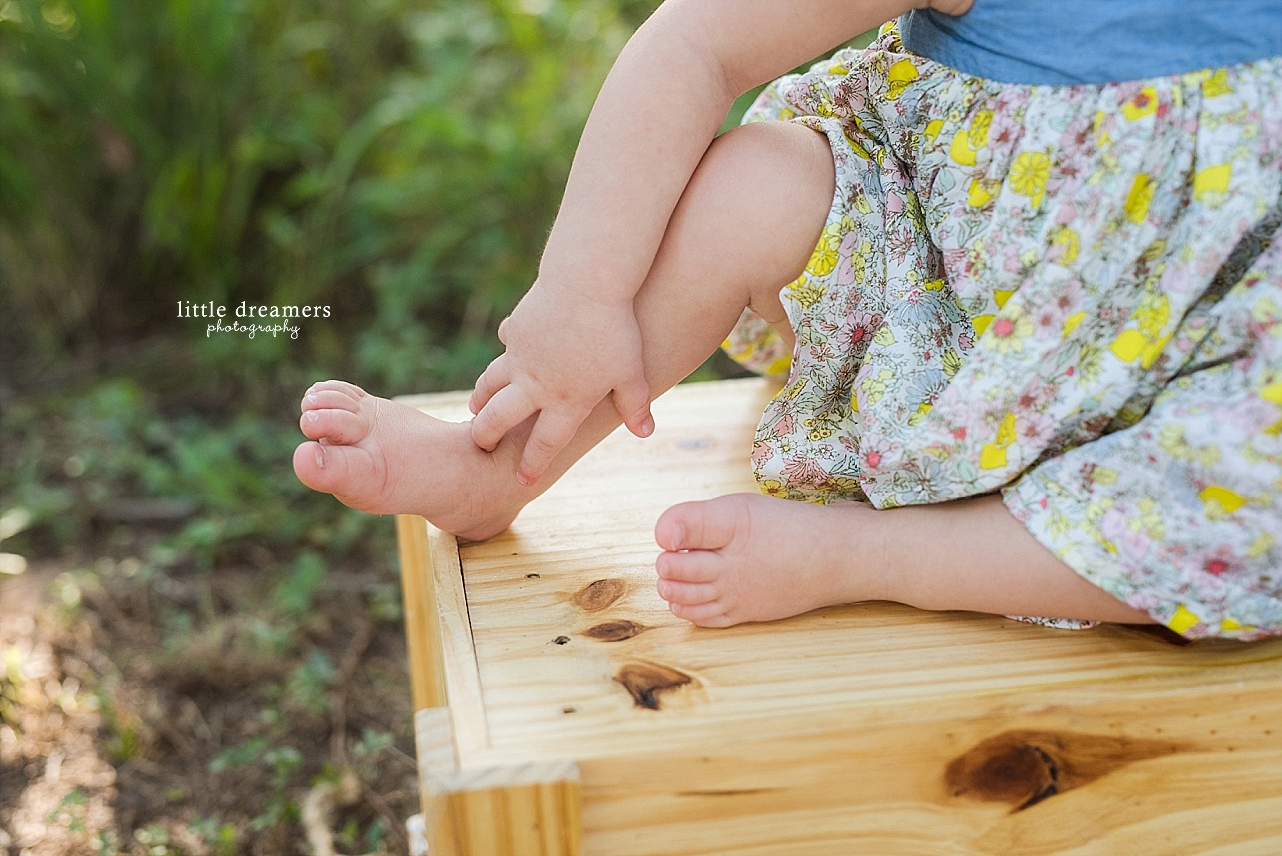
pixel 602 291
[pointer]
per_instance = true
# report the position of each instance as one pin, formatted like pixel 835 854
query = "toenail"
pixel 320 457
pixel 678 536
pixel 312 416
pixel 313 398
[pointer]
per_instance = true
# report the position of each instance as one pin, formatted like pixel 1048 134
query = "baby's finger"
pixel 632 400
pixel 494 378
pixel 509 407
pixel 552 433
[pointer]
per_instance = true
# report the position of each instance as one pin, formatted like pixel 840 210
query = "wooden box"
pixel 562 709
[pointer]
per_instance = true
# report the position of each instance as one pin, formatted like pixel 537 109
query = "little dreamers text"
pixel 277 317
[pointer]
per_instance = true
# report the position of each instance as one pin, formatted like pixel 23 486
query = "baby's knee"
pixel 786 153
pixel 767 178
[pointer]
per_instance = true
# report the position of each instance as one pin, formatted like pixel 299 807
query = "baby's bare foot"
pixel 748 557
pixel 385 458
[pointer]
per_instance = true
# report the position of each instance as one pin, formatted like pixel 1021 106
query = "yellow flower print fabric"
pixel 1063 293
pixel 1180 514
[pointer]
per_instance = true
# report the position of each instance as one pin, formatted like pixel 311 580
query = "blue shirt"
pixel 1095 41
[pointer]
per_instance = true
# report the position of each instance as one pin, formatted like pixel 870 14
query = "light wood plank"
pixel 462 677
pixel 1212 778
pixel 833 732
pixel 422 622
pixel 437 761
pixel 534 820
pixel 527 809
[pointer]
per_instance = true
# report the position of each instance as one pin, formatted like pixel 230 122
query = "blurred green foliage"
pixel 399 162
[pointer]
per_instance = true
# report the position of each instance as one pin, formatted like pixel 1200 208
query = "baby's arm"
pixel 573 340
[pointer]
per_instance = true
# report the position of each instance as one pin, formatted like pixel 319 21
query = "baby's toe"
pixel 707 525
pixel 337 399
pixel 350 390
pixel 711 614
pixel 340 470
pixel 309 466
pixel 688 594
pixel 692 566
pixel 337 426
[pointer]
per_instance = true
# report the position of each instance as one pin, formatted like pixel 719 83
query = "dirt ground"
pixel 159 715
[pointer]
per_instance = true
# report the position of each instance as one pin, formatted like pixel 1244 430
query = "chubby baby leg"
pixel 748 557
pixel 744 227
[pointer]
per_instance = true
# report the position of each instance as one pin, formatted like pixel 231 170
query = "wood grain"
pixel 462 678
pixel 1022 767
pixel 527 809
pixel 422 621
pixel 531 820
pixel 852 787
pixel 438 630
pixel 871 728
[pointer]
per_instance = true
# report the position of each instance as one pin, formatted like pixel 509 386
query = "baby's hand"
pixel 565 353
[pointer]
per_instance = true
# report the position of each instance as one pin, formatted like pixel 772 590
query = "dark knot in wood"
pixel 596 596
pixel 614 631
pixel 1023 768
pixel 644 682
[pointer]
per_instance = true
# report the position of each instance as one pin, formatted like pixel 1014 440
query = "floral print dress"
pixel 1063 293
